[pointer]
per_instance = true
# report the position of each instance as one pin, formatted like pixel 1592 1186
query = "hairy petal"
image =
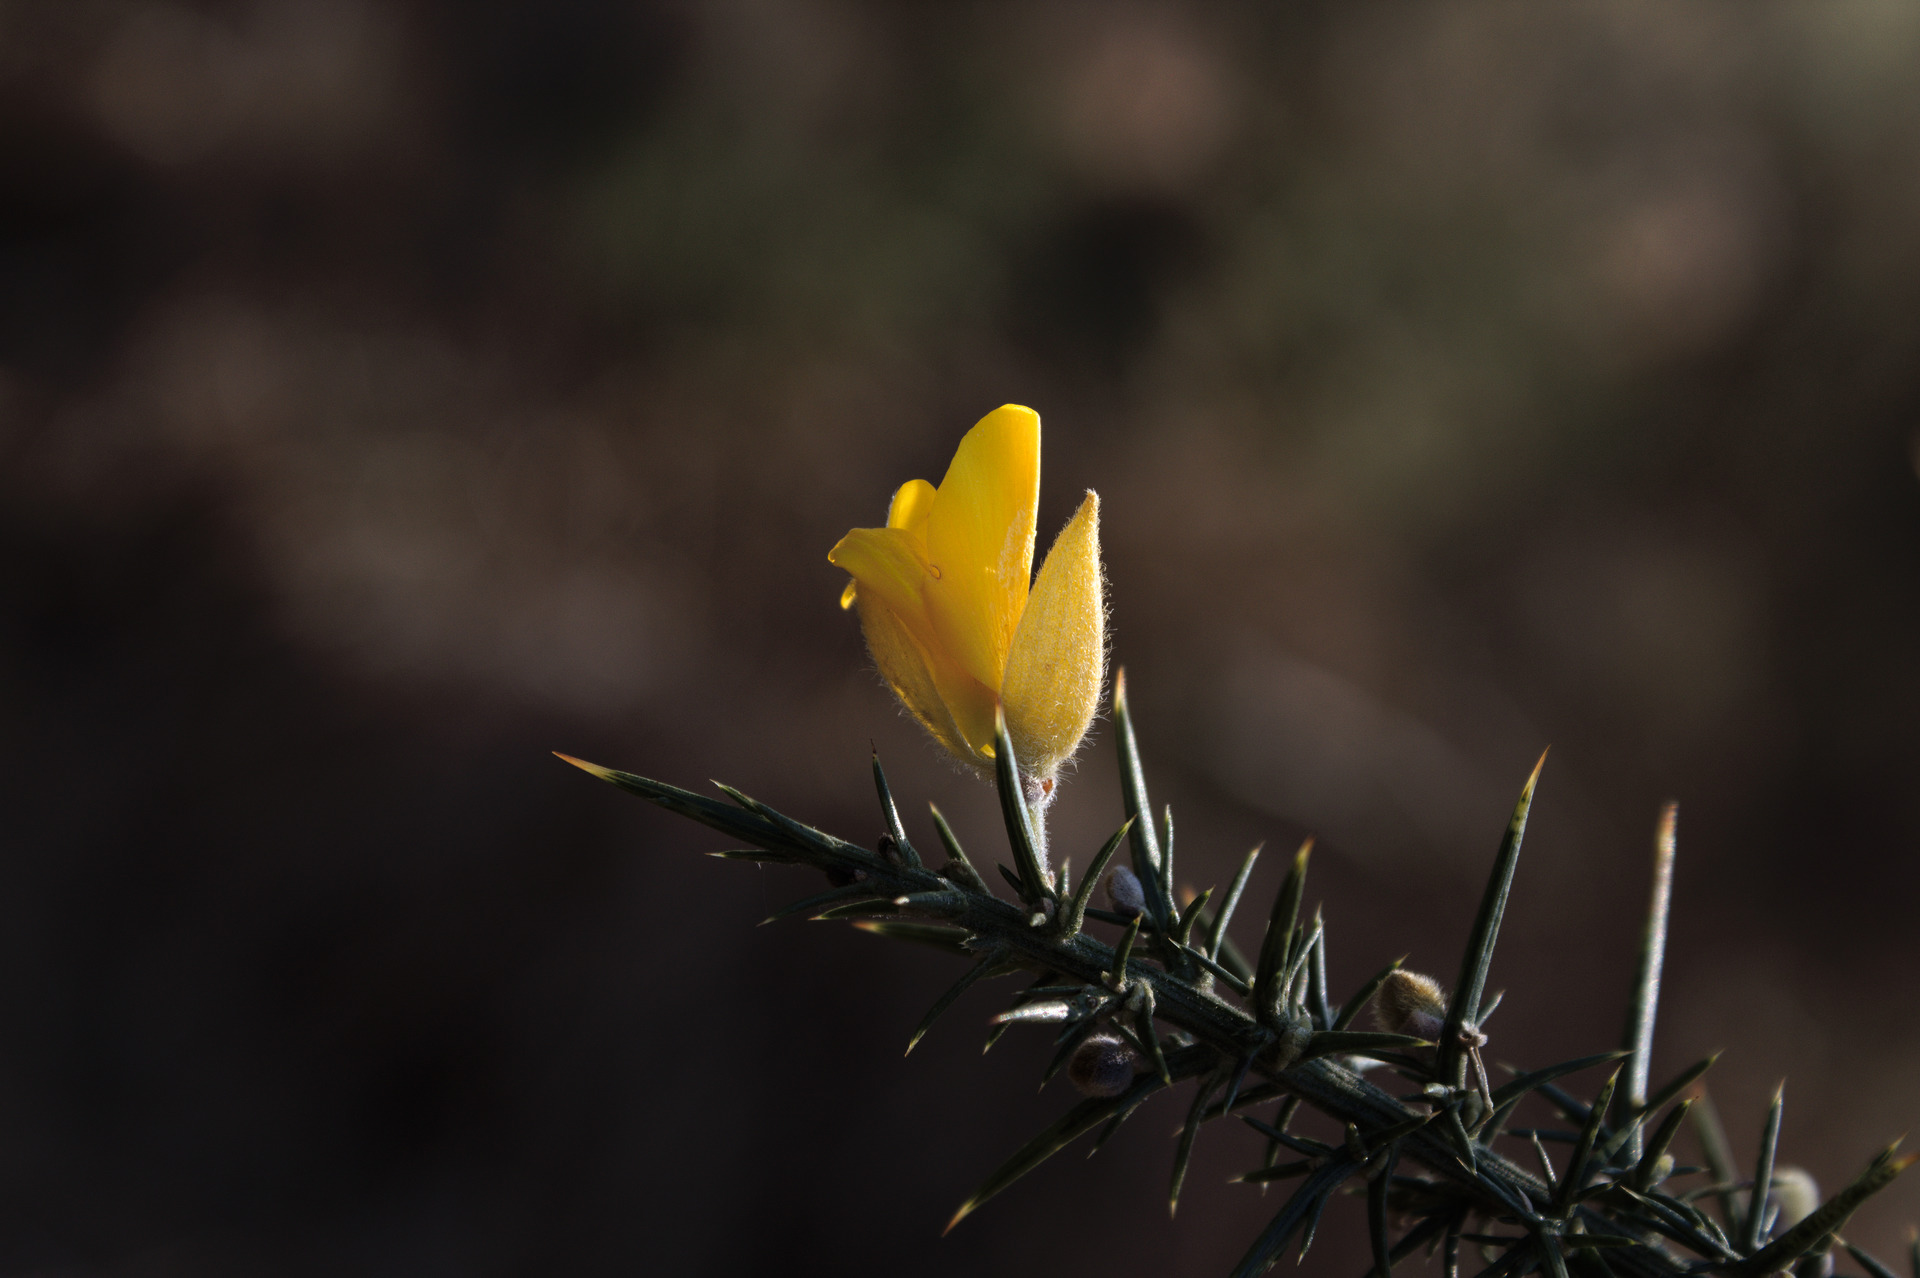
pixel 1058 661
pixel 908 669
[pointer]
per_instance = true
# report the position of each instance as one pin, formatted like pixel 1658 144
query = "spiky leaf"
pixel 1188 1131
pixel 959 868
pixel 1070 1126
pixel 1133 790
pixel 1281 924
pixel 1351 1009
pixel 938 935
pixel 986 965
pixel 1036 880
pixel 1217 930
pixel 1074 916
pixel 1514 1090
pixel 1829 1216
pixel 1306 1201
pixel 1754 1221
pixel 1580 1162
pixel 1463 1011
pixel 891 815
pixel 1643 1008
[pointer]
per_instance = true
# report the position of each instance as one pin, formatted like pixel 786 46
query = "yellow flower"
pixel 948 614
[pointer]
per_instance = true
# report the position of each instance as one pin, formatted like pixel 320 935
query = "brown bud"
pixel 1409 1003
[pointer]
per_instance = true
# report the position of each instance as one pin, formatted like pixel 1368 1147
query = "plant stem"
pixel 1037 815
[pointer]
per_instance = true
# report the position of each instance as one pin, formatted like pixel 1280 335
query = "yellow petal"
pixel 904 664
pixel 886 564
pixel 979 540
pixel 1059 657
pixel 908 511
pixel 889 578
pixel 910 508
pixel 971 703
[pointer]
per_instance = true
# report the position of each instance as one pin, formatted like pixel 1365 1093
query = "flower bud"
pixel 1409 1003
pixel 958 624
pixel 1124 890
pixel 1798 1194
pixel 1101 1066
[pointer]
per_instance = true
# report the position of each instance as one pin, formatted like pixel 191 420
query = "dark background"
pixel 391 393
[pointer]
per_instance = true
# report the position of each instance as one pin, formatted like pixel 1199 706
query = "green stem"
pixel 1037 817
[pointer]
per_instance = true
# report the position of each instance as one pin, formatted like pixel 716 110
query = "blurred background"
pixel 394 392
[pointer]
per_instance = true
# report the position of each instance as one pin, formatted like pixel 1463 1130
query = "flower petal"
pixel 886 564
pixel 979 540
pixel 904 664
pixel 910 508
pixel 890 578
pixel 1058 660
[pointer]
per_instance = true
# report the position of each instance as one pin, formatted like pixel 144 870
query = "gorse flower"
pixel 949 616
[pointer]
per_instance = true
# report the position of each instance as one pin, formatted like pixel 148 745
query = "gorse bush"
pixel 1007 677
